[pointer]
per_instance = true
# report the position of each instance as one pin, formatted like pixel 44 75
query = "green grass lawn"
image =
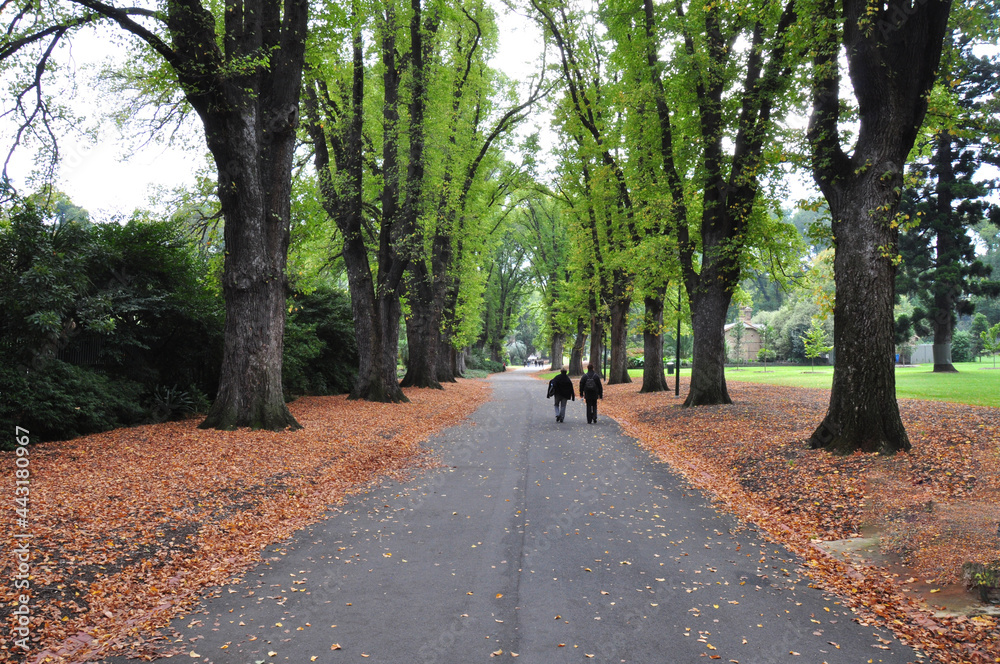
pixel 976 383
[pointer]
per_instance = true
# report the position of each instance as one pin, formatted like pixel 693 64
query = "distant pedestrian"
pixel 561 387
pixel 591 390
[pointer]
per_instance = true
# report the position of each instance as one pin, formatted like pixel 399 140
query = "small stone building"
pixel 751 341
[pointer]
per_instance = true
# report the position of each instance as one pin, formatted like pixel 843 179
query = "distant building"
pixel 751 342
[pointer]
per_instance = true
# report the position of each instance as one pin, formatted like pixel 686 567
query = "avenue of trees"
pixel 372 147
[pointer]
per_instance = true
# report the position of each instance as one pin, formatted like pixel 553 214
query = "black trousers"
pixel 592 409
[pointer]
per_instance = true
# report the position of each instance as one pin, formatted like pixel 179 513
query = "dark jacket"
pixel 562 386
pixel 600 388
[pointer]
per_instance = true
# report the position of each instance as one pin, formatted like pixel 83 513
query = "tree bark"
pixel 597 344
pixel 576 354
pixel 421 334
pixel 653 377
pixel 709 304
pixel 250 130
pixel 892 69
pixel 620 304
pixel 558 339
pixel 863 412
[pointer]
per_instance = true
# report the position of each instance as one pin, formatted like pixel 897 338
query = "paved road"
pixel 557 542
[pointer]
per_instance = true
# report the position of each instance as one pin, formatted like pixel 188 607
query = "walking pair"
pixel 591 389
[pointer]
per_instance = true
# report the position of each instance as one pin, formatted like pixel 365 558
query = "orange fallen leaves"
pixel 129 525
pixel 934 508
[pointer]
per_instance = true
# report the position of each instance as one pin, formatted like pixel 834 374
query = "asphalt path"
pixel 545 541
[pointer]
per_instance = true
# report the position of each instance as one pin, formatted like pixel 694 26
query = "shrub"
pixel 321 352
pixel 97 319
pixel 636 362
pixel 961 347
pixel 57 401
pixel 766 355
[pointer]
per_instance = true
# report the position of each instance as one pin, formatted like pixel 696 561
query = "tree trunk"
pixel 558 339
pixel 892 69
pixel 421 338
pixel 250 126
pixel 863 412
pixel 576 355
pixel 597 344
pixel 372 312
pixel 446 363
pixel 618 371
pixel 946 295
pixel 460 361
pixel 709 305
pixel 423 323
pixel 653 378
pixel 255 192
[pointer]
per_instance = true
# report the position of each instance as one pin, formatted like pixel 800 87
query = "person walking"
pixel 591 390
pixel 561 387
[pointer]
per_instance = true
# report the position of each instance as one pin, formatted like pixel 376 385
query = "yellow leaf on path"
pixel 710 646
pixel 194 654
pixel 313 658
pixel 499 595
pixel 496 653
pixel 935 590
pixel 335 646
pixel 271 653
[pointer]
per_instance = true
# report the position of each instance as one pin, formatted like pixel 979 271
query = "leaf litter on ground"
pixel 129 526
pixel 934 508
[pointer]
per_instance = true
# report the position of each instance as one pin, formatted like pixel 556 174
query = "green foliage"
pixel 171 403
pixel 321 352
pixel 980 324
pixel 766 355
pixel 961 347
pixel 60 401
pixel 125 309
pixel 991 341
pixel 815 340
pixel 480 361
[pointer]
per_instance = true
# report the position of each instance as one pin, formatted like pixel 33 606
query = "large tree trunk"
pixel 445 359
pixel 558 339
pixel 250 130
pixel 863 413
pixel 254 288
pixel 618 371
pixel 423 323
pixel 709 305
pixel 576 354
pixel 892 69
pixel 653 378
pixel 421 337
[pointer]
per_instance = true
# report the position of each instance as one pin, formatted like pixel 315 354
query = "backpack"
pixel 589 384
